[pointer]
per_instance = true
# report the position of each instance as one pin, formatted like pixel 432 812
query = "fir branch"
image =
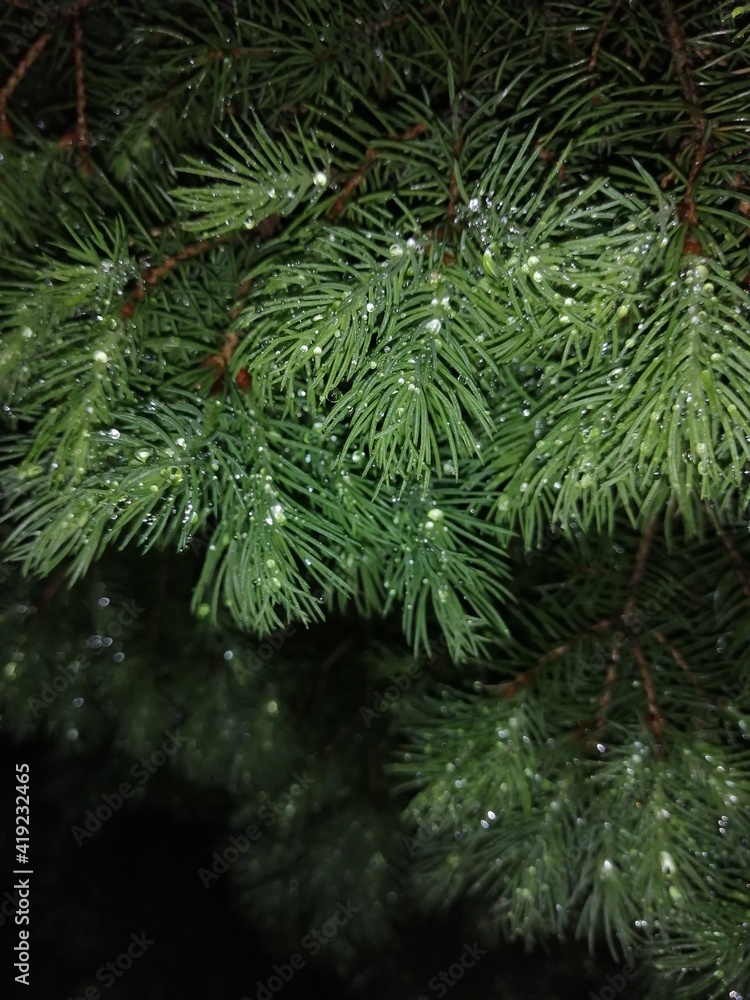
pixel 265 178
pixel 582 379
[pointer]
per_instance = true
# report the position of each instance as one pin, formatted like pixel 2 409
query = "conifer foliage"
pixel 433 313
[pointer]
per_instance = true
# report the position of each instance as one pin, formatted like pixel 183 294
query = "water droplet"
pixel 277 513
pixel 667 863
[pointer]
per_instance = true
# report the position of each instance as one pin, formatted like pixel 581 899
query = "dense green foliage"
pixel 437 311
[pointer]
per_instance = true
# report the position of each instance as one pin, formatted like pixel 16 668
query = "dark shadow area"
pixel 118 909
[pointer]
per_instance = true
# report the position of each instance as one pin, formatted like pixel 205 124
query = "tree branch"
pixel 359 175
pixel 32 53
pixel 603 28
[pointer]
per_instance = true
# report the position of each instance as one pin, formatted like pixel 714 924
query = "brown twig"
pixel 639 567
pixel 509 688
pixel 683 69
pixel 606 696
pixel 654 717
pixel 150 276
pixel 679 659
pixel 736 559
pixel 370 156
pixel 439 234
pixel 688 207
pixel 378 26
pixel 82 138
pixel 411 133
pixel 354 181
pixel 222 361
pixel 454 192
pixel 32 53
pixel 603 28
pixel 154 275
pixel 239 295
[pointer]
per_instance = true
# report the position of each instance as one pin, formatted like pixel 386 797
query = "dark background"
pixel 138 874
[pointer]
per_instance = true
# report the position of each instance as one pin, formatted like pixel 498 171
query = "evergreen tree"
pixel 434 314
